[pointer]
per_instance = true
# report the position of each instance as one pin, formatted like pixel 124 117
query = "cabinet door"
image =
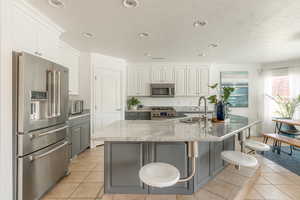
pixel 132 81
pixel 73 65
pixel 85 136
pixel 203 165
pixel 76 137
pixel 204 81
pixel 144 81
pixel 131 115
pixel 174 153
pixel 217 163
pixel 156 74
pixel 144 116
pixel 167 74
pixel 192 81
pixel 24 32
pixel 180 81
pixel 122 163
pixel 48 42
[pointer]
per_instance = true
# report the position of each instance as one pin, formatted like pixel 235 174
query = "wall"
pixel 6 172
pixel 85 78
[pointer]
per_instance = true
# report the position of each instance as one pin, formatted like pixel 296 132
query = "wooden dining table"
pixel 280 122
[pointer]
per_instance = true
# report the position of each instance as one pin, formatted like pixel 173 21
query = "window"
pixel 280 86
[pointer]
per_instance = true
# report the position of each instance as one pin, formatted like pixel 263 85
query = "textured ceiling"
pixel 254 31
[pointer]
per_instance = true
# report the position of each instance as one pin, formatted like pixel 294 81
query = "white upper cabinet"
pixel 180 81
pixel 189 81
pixel 162 74
pixel 33 35
pixel 69 57
pixel 138 81
pixel 197 81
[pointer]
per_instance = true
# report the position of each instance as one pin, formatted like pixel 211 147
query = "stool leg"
pixel 291 147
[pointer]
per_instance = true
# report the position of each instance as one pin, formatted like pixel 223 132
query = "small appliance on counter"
pixel 75 106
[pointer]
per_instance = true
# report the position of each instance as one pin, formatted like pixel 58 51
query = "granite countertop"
pixel 83 114
pixel 172 130
pixel 184 109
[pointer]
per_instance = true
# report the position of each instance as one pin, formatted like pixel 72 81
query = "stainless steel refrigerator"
pixel 40 107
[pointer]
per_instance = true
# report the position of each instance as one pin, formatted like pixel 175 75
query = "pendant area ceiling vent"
pixel 130 3
pixel 56 3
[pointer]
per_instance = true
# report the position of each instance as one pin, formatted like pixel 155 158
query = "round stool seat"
pixel 159 174
pixel 256 146
pixel 239 158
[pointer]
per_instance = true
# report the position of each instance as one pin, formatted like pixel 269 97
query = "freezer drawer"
pixel 39 171
pixel 34 141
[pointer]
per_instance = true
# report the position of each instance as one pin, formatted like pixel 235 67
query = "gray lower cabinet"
pixel 76 137
pixel 122 164
pixel 123 161
pixel 79 133
pixel 137 115
pixel 203 173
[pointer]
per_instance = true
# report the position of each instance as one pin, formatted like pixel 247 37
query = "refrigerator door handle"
pixel 58 93
pixel 32 136
pixel 33 158
pixel 54 94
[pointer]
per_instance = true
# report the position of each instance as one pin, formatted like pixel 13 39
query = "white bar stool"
pixel 237 158
pixel 162 175
pixel 255 146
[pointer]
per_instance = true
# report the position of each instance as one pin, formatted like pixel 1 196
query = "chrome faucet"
pixel 205 107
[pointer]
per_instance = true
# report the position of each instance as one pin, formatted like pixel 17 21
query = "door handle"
pixel 119 109
pixel 32 158
pixel 31 136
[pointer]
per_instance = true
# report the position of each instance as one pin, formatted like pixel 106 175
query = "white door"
pixel 108 106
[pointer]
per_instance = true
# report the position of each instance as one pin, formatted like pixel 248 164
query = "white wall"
pixel 6 190
pixel 85 78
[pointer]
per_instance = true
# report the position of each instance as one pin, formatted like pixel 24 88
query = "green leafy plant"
pixel 133 102
pixel 224 95
pixel 286 106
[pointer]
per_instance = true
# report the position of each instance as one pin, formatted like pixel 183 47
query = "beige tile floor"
pixel 86 183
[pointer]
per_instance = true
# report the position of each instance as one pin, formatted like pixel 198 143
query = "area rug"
pixel 291 163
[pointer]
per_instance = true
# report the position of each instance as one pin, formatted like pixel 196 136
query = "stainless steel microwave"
pixel 162 90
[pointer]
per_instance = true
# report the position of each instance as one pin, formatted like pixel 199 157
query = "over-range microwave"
pixel 162 90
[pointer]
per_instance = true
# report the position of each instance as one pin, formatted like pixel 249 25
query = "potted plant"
pixel 286 110
pixel 220 100
pixel 133 103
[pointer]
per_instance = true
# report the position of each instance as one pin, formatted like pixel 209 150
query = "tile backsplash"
pixel 176 101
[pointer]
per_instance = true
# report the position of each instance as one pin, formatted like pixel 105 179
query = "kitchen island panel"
pixel 122 164
pixel 174 153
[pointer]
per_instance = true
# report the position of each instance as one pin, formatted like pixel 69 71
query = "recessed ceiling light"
pixel 130 3
pixel 199 23
pixel 213 45
pixel 147 54
pixel 56 3
pixel 87 35
pixel 143 35
pixel 201 54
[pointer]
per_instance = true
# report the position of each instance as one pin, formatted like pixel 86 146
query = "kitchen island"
pixel 131 144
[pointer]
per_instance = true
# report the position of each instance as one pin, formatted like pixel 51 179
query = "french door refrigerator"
pixel 40 112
